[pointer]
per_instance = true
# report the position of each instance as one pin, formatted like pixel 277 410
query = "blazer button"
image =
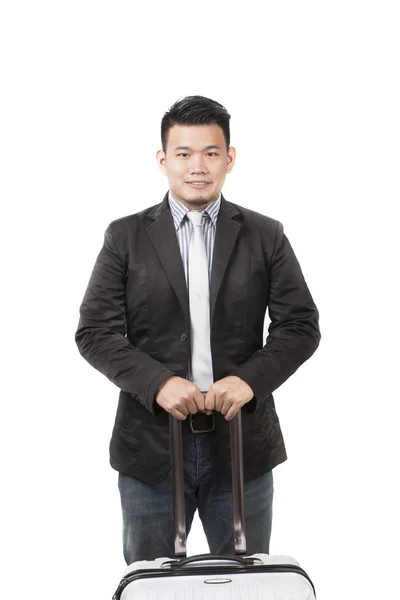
pixel 184 337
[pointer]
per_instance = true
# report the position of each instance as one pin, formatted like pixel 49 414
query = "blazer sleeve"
pixel 293 334
pixel 101 334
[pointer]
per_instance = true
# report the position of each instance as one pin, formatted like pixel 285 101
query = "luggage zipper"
pixel 151 573
pixel 122 585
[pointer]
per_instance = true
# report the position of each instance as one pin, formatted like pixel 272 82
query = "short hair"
pixel 195 110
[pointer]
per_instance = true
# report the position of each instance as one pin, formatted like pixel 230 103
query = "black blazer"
pixel 135 328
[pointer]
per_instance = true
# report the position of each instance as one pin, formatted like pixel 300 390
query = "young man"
pixel 173 315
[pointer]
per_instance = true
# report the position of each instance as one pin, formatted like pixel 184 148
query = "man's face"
pixel 196 162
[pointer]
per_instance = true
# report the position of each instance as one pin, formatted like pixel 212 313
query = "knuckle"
pixel 180 407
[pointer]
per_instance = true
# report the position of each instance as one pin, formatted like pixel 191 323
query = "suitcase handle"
pixel 242 560
pixel 237 485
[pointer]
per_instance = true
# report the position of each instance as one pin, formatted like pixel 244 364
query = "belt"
pixel 201 422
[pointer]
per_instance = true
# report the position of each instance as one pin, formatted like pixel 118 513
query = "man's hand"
pixel 180 397
pixel 228 395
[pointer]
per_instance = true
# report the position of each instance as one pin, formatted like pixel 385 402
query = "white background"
pixel 313 90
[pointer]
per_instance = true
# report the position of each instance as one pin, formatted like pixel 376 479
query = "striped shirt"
pixel 183 229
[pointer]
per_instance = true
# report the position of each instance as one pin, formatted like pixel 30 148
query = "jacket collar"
pixel 161 232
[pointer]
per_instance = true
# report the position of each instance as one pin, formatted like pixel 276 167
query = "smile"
pixel 198 184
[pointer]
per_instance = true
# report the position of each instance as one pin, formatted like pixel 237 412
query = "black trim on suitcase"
pixel 206 572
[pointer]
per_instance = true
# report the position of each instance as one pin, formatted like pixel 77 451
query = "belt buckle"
pixel 196 431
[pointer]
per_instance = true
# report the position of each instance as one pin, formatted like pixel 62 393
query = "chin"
pixel 200 198
pixel 197 200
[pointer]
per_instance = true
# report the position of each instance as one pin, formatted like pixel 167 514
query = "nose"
pixel 197 164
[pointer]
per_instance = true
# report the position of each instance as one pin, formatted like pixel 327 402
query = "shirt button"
pixel 184 337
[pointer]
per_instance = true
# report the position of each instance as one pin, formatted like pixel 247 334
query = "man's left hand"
pixel 228 395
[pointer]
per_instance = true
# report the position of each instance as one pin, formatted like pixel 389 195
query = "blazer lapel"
pixel 227 232
pixel 163 237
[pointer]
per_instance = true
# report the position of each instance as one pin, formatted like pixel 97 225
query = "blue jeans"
pixel 147 509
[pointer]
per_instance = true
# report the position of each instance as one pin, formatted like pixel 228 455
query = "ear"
pixel 231 159
pixel 160 157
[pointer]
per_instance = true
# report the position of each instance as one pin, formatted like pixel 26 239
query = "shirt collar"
pixel 179 210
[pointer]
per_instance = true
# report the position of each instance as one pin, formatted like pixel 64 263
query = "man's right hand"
pixel 180 397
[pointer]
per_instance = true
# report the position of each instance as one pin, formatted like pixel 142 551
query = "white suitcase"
pixel 271 578
pixel 236 577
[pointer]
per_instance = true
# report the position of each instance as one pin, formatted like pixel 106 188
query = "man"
pixel 173 315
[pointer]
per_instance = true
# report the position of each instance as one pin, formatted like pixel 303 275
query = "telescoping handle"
pixel 237 485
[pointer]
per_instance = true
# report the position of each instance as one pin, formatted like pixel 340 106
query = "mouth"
pixel 198 184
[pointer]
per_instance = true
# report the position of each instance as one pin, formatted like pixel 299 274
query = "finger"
pixel 191 406
pixel 234 409
pixel 172 408
pixel 231 413
pixel 219 400
pixel 199 399
pixel 226 405
pixel 209 403
pixel 177 414
pixel 180 407
pixel 206 410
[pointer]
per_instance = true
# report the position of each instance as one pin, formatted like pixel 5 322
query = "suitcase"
pixel 205 576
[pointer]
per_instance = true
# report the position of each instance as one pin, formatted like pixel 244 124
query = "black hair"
pixel 195 110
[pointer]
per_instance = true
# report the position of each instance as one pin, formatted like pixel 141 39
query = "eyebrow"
pixel 211 147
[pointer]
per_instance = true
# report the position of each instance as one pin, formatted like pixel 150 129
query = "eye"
pixel 184 154
pixel 212 154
